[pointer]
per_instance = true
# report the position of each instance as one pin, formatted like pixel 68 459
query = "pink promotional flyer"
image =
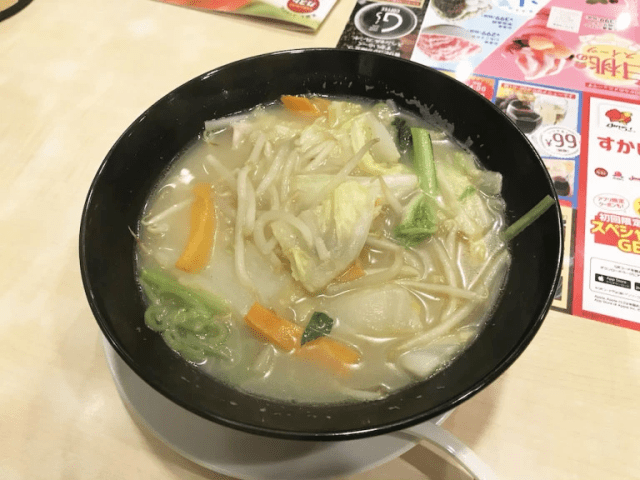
pixel 567 72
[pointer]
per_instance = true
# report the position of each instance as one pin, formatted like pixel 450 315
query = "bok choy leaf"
pixel 420 219
pixel 423 161
pixel 419 222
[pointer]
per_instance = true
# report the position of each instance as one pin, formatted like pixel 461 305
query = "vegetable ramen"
pixel 322 250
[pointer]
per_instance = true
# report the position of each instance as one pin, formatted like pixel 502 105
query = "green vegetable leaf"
pixel 383 158
pixel 470 190
pixel 405 142
pixel 157 283
pixel 420 219
pixel 186 317
pixel 342 221
pixel 423 161
pixel 528 218
pixel 320 325
pixel 419 223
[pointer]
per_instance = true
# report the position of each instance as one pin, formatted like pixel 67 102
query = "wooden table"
pixel 73 75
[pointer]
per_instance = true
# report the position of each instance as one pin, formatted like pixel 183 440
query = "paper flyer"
pixel 567 73
pixel 609 232
pixel 296 14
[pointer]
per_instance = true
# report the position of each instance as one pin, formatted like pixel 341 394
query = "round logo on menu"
pixel 558 141
pixel 385 21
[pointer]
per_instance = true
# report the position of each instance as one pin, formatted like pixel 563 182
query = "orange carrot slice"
pixel 353 272
pixel 287 335
pixel 201 231
pixel 321 103
pixel 271 328
pixel 329 353
pixel 300 105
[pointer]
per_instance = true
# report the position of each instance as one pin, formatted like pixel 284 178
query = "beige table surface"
pixel 73 75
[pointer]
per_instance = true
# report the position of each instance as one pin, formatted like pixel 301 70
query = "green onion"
pixel 528 218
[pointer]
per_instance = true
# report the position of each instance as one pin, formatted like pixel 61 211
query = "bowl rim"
pixel 408 421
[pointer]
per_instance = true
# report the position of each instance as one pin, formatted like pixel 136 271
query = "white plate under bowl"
pixel 243 455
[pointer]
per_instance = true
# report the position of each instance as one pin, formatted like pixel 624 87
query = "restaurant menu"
pixel 297 14
pixel 567 72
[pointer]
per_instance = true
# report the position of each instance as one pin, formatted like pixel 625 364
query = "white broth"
pixel 332 222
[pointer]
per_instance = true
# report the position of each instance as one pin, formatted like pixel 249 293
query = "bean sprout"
pixel 257 149
pixel 289 167
pixel 239 253
pixel 274 199
pixel 342 175
pixel 273 172
pixel 322 156
pixel 371 280
pixel 295 222
pixel 225 174
pixel 251 208
pixel 166 213
pixel 391 200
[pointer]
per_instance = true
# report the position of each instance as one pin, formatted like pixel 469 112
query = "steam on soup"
pixel 322 250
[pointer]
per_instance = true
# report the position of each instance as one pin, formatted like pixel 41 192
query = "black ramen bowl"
pixel 143 153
